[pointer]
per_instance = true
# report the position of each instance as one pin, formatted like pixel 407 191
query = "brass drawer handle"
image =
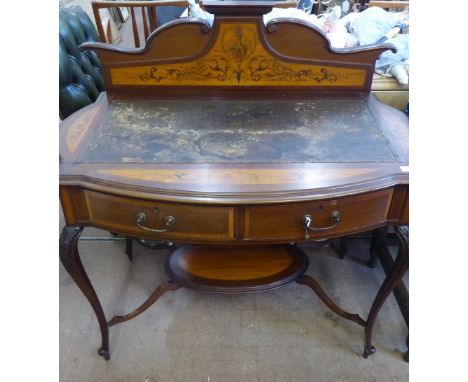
pixel 335 217
pixel 141 218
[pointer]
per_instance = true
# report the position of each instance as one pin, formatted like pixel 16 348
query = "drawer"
pixel 285 222
pixel 190 222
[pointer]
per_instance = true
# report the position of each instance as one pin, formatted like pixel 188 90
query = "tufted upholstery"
pixel 81 78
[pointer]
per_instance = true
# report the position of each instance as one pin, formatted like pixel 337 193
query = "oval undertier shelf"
pixel 236 269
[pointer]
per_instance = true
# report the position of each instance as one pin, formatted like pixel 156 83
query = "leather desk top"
pixel 254 131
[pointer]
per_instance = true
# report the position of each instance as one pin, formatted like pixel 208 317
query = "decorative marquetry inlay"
pixel 238 57
pixel 236 176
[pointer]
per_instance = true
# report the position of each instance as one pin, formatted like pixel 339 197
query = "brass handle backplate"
pixel 141 218
pixel 307 220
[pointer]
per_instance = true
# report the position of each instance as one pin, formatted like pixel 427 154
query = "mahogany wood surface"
pixel 235 183
pixel 241 212
pixel 235 224
pixel 284 222
pixel 238 50
pixel 239 131
pixel 192 222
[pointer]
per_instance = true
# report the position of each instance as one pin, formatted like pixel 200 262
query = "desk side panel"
pixel 399 210
pixel 74 205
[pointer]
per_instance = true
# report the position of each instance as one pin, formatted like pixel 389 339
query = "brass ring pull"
pixel 141 218
pixel 335 216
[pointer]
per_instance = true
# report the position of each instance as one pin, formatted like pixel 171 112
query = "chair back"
pixel 80 73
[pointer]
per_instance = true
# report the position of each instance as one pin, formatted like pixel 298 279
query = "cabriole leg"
pixel 399 268
pixel 70 259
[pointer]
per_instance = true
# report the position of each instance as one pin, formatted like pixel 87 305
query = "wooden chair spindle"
pixel 136 36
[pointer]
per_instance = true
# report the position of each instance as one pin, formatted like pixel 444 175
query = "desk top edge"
pixel 236 183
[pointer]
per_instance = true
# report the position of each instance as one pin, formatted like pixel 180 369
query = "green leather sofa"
pixel 81 78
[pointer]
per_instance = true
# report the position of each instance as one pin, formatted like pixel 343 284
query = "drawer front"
pixel 190 222
pixel 286 222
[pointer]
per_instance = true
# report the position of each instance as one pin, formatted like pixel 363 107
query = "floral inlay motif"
pixel 238 57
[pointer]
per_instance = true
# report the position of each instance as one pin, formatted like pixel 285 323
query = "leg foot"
pixel 71 261
pixel 393 279
pixel 104 353
pixel 368 350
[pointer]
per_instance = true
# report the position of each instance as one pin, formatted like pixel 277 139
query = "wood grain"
pixel 229 269
pixel 236 52
pixel 232 263
pixel 80 125
pixel 238 59
pixel 312 181
pixel 286 221
pixel 118 214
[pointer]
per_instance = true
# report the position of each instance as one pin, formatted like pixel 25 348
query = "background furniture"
pixel 80 72
pixel 387 89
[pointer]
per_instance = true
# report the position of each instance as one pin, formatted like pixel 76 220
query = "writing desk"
pixel 236 141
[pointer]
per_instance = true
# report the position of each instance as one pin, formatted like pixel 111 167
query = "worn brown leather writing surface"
pixel 217 131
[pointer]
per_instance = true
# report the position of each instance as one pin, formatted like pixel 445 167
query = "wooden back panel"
pixel 237 51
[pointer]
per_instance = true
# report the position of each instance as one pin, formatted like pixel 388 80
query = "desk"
pixel 237 144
